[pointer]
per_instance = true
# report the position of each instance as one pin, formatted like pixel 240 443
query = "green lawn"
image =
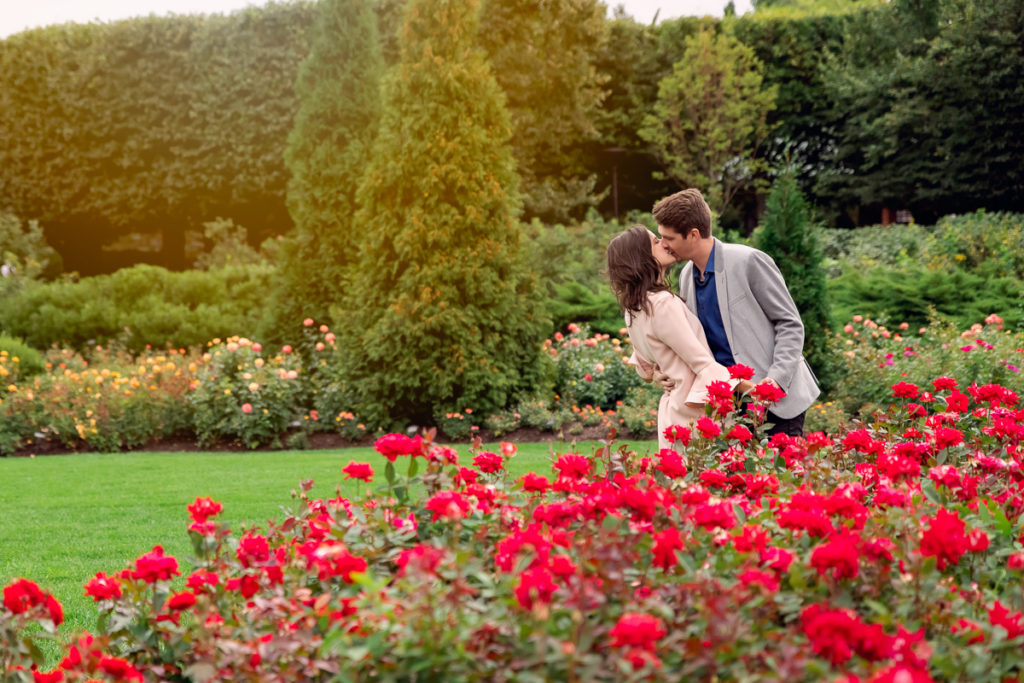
pixel 65 517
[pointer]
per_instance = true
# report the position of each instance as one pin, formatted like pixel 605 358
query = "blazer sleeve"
pixel 671 327
pixel 772 295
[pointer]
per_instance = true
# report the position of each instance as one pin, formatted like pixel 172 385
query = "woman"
pixel 665 334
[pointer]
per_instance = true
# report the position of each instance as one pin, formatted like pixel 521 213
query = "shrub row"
pixel 236 390
pixel 138 307
pixel 239 391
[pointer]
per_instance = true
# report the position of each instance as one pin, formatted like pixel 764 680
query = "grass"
pixel 63 518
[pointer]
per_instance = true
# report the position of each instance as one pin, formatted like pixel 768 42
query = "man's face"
pixel 681 245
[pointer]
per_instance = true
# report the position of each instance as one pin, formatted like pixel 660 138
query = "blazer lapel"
pixel 686 287
pixel 722 289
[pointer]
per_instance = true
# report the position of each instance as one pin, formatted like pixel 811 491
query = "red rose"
pixel 767 393
pixel 489 463
pixel 535 585
pixel 103 587
pixel 155 566
pixel 424 559
pixel 448 505
pixel 945 538
pixel 740 433
pixel 181 601
pixel 204 508
pixel 572 466
pixel 671 464
pixel 119 669
pixel 678 433
pixel 393 445
pixel 22 595
pixel 358 470
pixel 253 549
pixel 741 371
pixel 666 543
pixel 708 428
pixel 905 390
pixel 637 630
pixel 535 482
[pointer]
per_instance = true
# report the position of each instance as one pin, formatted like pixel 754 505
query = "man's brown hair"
pixel 683 212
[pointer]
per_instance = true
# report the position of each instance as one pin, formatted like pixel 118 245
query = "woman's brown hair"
pixel 632 269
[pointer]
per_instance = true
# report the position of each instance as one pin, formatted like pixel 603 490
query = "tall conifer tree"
pixel 338 87
pixel 790 237
pixel 445 316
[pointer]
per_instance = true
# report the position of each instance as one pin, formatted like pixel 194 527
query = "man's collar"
pixel 709 267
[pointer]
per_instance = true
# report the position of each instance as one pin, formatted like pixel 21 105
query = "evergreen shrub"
pixel 139 306
pixel 444 316
pixel 915 294
pixel 338 89
pixel 789 236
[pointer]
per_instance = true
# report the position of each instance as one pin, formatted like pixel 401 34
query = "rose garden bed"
pixel 890 552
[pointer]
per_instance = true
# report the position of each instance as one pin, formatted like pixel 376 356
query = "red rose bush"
pixel 888 552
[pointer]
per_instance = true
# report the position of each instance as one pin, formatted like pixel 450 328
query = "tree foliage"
pixel 150 123
pixel 444 317
pixel 710 118
pixel 791 50
pixel 543 55
pixel 790 237
pixel 338 88
pixel 928 99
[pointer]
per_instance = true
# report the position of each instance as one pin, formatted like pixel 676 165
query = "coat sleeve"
pixel 672 328
pixel 772 295
pixel 643 368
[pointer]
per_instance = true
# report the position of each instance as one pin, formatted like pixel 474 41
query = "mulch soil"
pixel 183 443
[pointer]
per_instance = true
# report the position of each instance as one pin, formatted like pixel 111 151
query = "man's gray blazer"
pixel 761 322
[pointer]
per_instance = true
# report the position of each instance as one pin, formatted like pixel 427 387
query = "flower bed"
pixel 889 552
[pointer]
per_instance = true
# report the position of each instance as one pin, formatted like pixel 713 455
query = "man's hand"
pixel 770 382
pixel 743 386
pixel 666 382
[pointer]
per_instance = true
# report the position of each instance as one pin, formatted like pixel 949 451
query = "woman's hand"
pixel 743 386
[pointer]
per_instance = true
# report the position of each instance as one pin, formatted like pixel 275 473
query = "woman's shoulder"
pixel 663 298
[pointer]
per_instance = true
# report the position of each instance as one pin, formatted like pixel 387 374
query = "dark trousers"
pixel 794 426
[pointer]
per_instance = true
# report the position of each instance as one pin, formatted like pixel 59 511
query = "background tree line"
pixel 159 124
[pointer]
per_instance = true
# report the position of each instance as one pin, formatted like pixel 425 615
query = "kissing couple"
pixel 732 308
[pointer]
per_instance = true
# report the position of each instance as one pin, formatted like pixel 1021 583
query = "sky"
pixel 19 15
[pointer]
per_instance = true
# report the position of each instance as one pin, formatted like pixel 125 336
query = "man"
pixel 742 301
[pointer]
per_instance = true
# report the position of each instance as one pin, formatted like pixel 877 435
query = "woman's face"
pixel 660 254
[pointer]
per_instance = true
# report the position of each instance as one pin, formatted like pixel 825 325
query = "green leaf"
pixel 686 560
pixel 878 607
pixel 796 577
pixel 389 472
pixel 1003 525
pixel 741 516
pixel 928 489
pixel 414 467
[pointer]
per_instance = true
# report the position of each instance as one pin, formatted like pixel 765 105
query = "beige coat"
pixel 671 339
